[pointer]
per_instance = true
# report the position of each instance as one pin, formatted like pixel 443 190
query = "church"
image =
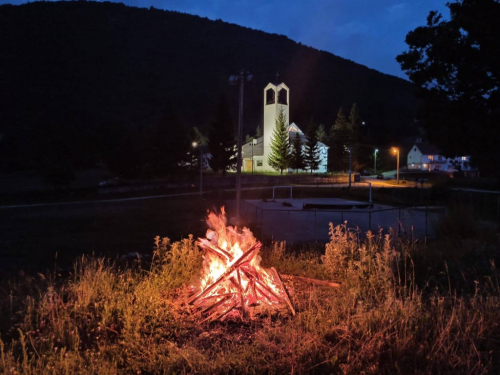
pixel 255 154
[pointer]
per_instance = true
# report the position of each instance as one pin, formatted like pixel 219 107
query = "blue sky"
pixel 369 32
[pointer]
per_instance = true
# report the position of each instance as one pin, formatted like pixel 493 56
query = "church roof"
pixel 294 128
pixel 255 148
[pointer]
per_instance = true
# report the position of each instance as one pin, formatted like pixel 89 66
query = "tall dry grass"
pixel 108 320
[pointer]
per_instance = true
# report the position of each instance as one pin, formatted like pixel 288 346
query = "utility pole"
pixel 375 162
pixel 233 80
pixel 350 165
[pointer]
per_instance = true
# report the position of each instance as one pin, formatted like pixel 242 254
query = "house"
pixel 423 156
pixel 256 153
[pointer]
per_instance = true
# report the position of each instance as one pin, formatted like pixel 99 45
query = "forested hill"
pixel 76 76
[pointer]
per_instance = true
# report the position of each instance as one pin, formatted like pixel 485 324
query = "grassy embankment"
pixel 401 308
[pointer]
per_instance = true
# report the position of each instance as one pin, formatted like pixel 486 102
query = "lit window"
pixel 464 158
pixel 431 157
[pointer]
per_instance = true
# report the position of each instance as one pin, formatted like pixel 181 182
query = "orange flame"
pixel 232 279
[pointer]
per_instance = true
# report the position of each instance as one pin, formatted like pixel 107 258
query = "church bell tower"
pixel 276 97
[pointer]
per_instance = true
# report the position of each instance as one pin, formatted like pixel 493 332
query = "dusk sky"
pixel 369 32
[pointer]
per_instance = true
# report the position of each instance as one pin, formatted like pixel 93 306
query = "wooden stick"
pixel 254 249
pixel 220 315
pixel 217 304
pixel 207 245
pixel 242 298
pixel 287 297
pixel 268 289
pixel 264 294
pixel 217 296
pixel 204 292
pixel 314 281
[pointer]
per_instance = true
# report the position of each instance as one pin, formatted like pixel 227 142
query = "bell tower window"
pixel 282 97
pixel 270 96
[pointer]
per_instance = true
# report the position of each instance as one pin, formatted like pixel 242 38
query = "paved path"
pixel 375 183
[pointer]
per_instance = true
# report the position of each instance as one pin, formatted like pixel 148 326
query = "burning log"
pixel 287 297
pixel 232 279
pixel 314 281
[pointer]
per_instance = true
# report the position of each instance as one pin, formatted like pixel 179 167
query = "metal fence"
pixel 296 226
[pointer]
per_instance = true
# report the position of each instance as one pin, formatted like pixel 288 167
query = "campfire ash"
pixel 232 282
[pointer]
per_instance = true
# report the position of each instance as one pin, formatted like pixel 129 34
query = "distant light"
pixel 194 144
pixel 233 80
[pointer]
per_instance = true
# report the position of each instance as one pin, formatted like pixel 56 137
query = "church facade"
pixel 255 154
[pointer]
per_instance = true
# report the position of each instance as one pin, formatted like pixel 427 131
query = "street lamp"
pixel 375 161
pixel 395 150
pixel 234 80
pixel 195 144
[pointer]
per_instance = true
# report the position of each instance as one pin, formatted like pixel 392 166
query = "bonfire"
pixel 232 282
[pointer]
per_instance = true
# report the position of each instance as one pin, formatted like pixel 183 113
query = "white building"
pixel 255 154
pixel 423 156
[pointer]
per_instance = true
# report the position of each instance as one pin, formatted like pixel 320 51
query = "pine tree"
pixel 297 157
pixel 248 139
pixel 311 153
pixel 258 132
pixel 354 121
pixel 340 138
pixel 321 133
pixel 354 136
pixel 222 139
pixel 279 158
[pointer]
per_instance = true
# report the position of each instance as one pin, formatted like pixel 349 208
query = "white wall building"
pixel 423 156
pixel 255 154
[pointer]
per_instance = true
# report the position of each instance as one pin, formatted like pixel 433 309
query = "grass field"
pixel 384 318
pixel 402 307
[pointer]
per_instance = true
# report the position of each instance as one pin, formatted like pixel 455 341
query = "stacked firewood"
pixel 243 287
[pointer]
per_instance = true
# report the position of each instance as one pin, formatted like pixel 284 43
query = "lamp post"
pixel 234 80
pixel 254 142
pixel 396 151
pixel 375 161
pixel 195 144
pixel 350 165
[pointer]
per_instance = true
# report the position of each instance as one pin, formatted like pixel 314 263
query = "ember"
pixel 232 282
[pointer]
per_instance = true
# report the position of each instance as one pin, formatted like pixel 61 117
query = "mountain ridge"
pixel 113 67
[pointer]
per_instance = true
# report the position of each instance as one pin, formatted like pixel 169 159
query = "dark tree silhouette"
pixel 222 139
pixel 297 156
pixel 456 65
